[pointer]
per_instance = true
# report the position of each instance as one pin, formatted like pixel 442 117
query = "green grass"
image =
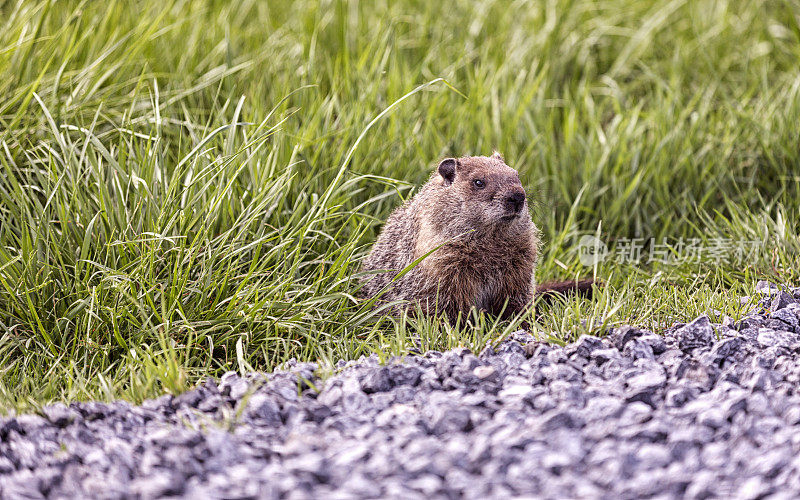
pixel 186 187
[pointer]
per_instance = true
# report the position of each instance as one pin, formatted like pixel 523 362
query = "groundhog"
pixel 472 221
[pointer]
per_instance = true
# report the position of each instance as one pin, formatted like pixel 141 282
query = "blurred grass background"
pixel 180 191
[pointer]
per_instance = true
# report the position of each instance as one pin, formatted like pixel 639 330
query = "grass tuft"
pixel 188 187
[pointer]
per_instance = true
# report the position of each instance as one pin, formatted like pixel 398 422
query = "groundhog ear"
pixel 447 169
pixel 498 156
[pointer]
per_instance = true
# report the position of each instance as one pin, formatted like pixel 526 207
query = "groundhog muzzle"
pixel 472 221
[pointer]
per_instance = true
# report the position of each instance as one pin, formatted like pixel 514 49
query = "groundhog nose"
pixel 515 201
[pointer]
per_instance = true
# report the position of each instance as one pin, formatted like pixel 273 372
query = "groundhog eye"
pixel 479 183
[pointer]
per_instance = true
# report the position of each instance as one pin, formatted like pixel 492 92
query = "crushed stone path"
pixel 704 410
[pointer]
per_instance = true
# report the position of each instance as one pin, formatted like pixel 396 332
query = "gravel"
pixel 704 410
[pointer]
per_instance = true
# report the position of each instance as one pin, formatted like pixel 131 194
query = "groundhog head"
pixel 483 190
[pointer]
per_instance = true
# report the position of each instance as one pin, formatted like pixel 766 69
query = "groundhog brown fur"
pixel 472 221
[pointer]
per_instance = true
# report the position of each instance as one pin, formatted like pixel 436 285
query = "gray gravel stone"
pixel 638 349
pixel 645 387
pixel 788 317
pixel 625 334
pixel 731 349
pixel 264 408
pixel 656 343
pixel 698 333
pixel 781 300
pixel 702 411
pixel 377 380
pixel 585 346
pixel 768 337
